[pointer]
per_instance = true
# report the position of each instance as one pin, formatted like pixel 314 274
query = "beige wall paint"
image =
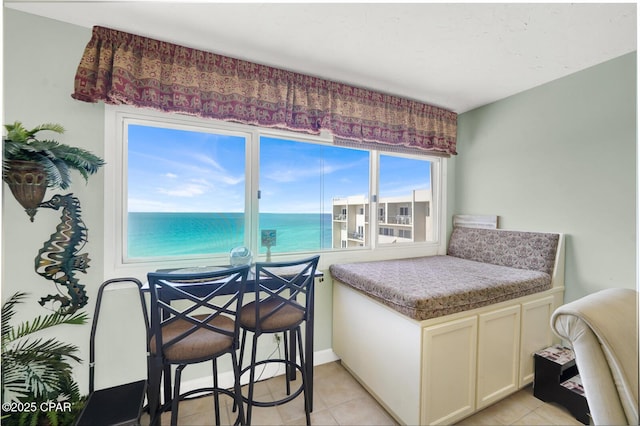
pixel 560 157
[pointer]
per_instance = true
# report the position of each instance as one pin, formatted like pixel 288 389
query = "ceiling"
pixel 453 55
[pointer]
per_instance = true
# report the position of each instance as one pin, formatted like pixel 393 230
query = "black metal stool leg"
pixel 287 367
pixel 176 395
pixel 303 374
pixel 237 391
pixel 216 394
pixel 242 345
pixel 252 376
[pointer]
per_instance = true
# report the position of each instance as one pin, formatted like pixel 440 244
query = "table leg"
pixel 308 350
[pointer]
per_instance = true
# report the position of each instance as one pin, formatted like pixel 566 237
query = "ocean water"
pixel 177 234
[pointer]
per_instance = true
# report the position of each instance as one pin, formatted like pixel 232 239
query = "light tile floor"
pixel 340 400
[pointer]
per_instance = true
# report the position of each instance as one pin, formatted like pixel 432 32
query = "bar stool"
pixel 116 405
pixel 276 308
pixel 202 327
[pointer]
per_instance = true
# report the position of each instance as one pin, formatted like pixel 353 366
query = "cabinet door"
pixel 535 334
pixel 449 371
pixel 498 354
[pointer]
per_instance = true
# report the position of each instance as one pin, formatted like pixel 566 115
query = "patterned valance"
pixel 122 68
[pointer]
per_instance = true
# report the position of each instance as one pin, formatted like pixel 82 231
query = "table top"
pixel 252 272
pixel 200 269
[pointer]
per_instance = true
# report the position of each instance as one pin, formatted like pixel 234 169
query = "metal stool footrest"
pixel 117 405
pixel 290 396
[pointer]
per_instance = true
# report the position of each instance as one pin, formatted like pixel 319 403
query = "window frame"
pixel 115 195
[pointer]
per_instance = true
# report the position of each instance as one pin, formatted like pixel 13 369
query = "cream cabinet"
pixel 536 334
pixel 444 369
pixel 477 360
pixel 482 368
pixel 448 388
pixel 498 355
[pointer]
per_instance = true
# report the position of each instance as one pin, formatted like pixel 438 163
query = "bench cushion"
pixel 433 286
pixel 517 249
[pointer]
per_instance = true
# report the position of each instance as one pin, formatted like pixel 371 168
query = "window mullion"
pixel 374 198
pixel 252 188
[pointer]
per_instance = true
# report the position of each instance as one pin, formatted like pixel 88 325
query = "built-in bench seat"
pixel 429 287
pixel 460 329
pixel 482 267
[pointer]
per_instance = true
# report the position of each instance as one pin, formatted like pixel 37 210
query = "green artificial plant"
pixel 37 370
pixel 57 159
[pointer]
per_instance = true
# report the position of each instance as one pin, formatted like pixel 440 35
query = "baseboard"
pixel 225 380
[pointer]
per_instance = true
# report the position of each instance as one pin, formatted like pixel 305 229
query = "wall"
pixel 40 60
pixel 560 157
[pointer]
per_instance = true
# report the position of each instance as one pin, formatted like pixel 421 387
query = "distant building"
pixel 400 219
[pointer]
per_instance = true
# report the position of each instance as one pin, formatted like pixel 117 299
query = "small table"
pixel 557 380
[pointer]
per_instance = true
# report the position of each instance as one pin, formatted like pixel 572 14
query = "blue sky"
pixel 173 170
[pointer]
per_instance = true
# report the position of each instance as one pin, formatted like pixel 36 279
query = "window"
pixel 406 195
pixel 298 181
pixel 194 189
pixel 386 231
pixel 404 233
pixel 186 191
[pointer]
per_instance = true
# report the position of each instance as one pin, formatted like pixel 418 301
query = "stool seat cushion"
pixel 201 344
pixel 285 318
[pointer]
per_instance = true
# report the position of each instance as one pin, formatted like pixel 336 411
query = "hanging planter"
pixel 31 166
pixel 27 181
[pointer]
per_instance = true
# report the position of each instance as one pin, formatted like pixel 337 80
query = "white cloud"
pixel 205 159
pixel 171 175
pixel 283 174
pixel 188 190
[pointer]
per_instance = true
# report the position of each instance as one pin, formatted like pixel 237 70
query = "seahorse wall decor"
pixel 59 259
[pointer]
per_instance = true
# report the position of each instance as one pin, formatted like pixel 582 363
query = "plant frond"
pixel 54 178
pixel 56 158
pixel 63 172
pixel 52 416
pixel 42 322
pixel 12 149
pixel 14 386
pixel 8 312
pixel 69 388
pixel 42 380
pixel 39 349
pixel 52 127
pixel 38 369
pixel 34 379
pixel 79 159
pixel 16 132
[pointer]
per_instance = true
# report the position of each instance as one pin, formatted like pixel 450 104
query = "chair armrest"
pixel 600 390
pixel 602 328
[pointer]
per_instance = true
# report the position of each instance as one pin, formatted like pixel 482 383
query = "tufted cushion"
pixel 433 286
pixel 200 344
pixel 286 317
pixel 535 251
